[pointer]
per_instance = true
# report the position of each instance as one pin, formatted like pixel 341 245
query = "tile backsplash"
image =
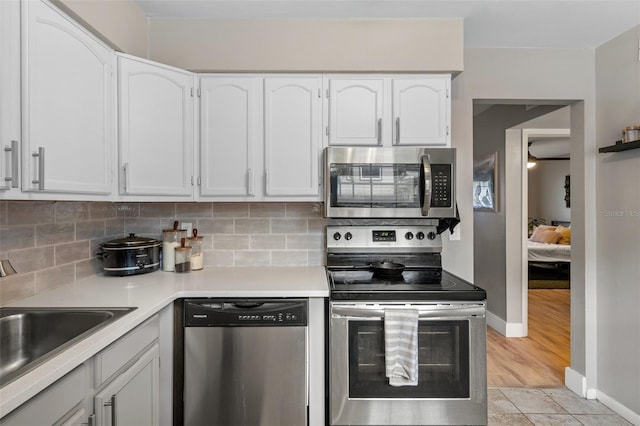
pixel 52 243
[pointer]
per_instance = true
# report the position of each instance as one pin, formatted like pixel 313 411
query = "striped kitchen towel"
pixel 401 346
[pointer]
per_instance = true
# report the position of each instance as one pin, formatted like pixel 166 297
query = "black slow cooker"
pixel 131 255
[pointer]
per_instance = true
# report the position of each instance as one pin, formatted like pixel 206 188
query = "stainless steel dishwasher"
pixel 245 362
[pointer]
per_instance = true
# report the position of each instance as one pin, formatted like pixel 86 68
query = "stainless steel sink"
pixel 30 336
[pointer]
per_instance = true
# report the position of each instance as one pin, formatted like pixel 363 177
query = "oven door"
pixel 451 386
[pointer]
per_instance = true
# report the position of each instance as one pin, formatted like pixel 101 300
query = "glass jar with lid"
pixel 182 257
pixel 197 257
pixel 170 240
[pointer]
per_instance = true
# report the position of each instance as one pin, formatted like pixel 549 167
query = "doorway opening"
pixel 528 339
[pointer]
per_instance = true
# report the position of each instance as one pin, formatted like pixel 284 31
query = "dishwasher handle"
pixel 248 305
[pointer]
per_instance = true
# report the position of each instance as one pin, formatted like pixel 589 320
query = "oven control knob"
pixel 409 235
pixel 348 236
pixel 337 236
pixel 420 235
pixel 431 235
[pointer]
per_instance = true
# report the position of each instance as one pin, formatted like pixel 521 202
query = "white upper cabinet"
pixel 10 99
pixel 260 137
pixel 230 135
pixel 67 111
pixel 389 110
pixel 356 111
pixel 421 111
pixel 155 129
pixel 292 134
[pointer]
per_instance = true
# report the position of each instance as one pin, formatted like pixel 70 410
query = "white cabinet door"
pixel 132 399
pixel 356 111
pixel 67 105
pixel 156 128
pixel 10 99
pixel 230 135
pixel 390 110
pixel 292 110
pixel 421 111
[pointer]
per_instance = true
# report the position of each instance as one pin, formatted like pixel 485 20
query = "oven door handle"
pixel 441 312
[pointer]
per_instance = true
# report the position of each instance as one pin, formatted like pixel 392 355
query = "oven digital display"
pixel 384 235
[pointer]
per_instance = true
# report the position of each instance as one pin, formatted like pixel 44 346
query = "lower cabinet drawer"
pixel 51 404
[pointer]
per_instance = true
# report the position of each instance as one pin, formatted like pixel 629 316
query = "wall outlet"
pixel 189 227
pixel 455 235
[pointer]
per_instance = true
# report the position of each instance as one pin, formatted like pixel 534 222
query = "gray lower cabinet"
pixel 133 397
pixel 127 378
pixel 118 386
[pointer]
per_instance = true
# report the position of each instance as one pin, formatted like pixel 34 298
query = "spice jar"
pixel 197 258
pixel 182 257
pixel 170 240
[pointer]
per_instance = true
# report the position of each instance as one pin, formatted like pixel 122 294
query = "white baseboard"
pixel 575 381
pixel 625 412
pixel 506 329
pixel 578 384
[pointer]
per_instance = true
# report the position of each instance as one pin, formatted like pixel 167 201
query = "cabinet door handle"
pixel 125 177
pixel 266 181
pixel 40 156
pixel 397 130
pixel 250 182
pixel 112 403
pixel 379 131
pixel 15 164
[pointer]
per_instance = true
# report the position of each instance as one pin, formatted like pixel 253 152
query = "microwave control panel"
pixel 441 185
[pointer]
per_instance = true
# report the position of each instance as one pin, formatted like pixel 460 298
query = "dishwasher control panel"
pixel 245 312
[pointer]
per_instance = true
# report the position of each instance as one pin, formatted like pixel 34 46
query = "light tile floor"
pixel 547 407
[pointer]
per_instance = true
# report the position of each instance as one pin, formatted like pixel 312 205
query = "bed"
pixel 548 253
pixel 550 244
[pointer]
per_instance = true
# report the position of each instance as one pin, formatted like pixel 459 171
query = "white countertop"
pixel 150 293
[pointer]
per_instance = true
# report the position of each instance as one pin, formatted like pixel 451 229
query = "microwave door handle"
pixel 425 184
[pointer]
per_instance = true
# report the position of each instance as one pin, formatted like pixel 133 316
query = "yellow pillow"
pixel 565 235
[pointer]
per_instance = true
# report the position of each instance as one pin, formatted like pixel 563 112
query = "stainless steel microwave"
pixel 398 182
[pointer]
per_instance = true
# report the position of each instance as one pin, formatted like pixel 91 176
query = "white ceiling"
pixel 487 23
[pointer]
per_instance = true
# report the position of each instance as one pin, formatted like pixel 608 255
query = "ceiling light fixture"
pixel 531 160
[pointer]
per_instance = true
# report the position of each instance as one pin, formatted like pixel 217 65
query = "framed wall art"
pixel 485 183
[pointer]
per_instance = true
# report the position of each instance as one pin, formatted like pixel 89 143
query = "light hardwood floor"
pixel 539 359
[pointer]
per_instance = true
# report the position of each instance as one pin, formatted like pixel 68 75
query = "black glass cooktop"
pixel 364 284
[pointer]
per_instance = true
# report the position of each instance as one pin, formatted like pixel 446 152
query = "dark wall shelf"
pixel 619 146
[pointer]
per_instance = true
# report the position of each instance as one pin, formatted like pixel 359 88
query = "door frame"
pixel 527 135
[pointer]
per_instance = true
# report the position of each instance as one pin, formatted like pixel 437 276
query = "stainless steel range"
pixel 373 270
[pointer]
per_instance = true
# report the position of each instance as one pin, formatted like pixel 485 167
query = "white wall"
pixel 618 224
pixel 531 74
pixel 546 191
pixel 309 44
pixel 120 23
